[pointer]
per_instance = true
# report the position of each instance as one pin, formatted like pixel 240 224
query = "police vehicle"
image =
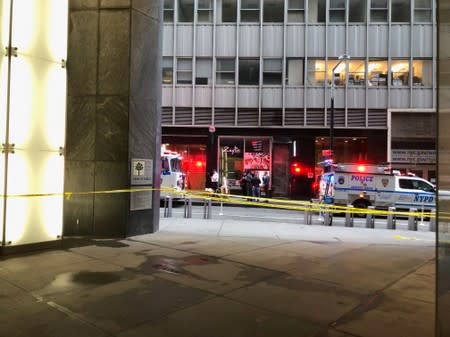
pixel 363 185
pixel 173 179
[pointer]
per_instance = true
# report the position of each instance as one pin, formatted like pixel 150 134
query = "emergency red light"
pixel 297 170
pixel 199 164
pixel 361 168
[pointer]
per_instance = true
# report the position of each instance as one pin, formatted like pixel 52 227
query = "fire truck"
pixel 173 180
pixel 363 185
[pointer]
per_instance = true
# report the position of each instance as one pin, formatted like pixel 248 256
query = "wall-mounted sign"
pixel 256 161
pixel 231 149
pixel 408 156
pixel 141 171
pixel 140 200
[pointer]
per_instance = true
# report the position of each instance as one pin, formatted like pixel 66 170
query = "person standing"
pixel 256 182
pixel 215 181
pixel 266 183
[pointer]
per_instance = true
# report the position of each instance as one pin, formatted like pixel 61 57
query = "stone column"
pixel 113 114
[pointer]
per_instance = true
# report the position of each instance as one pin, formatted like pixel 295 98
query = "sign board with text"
pixel 141 171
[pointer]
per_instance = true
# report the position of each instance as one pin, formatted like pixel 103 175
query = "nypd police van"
pixel 372 185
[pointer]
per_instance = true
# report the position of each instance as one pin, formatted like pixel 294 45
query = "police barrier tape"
pixel 247 200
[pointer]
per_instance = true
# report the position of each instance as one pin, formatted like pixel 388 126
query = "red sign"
pixel 327 153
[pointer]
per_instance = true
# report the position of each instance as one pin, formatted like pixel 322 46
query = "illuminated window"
pixel 250 10
pixel 167 70
pixel 204 11
pixel 400 72
pixel 272 71
pixel 315 72
pixel 296 11
pixel 423 73
pixel 339 72
pixel 184 71
pixel 422 10
pixel 168 10
pixel 377 73
pixel 356 72
pixel 225 71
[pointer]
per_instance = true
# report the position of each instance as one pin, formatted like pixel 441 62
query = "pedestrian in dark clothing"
pixel 243 183
pixel 255 183
pixel 266 183
pixel 249 185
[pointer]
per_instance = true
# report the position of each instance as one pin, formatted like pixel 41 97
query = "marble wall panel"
pixel 114 52
pixel 83 4
pixel 82 57
pixel 80 133
pixel 115 3
pixel 111 137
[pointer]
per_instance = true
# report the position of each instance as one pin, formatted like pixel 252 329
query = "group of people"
pixel 251 184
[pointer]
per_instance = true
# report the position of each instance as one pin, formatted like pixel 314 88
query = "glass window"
pixel 273 11
pixel 168 10
pixel 203 71
pixel 184 71
pixel 401 10
pixel 296 11
pixel 250 10
pixel 231 158
pixel 400 72
pixel 315 72
pixel 204 11
pixel 337 10
pixel 378 10
pixel 422 11
pixel 357 11
pixel 167 70
pixel 229 8
pixel 294 71
pixel 272 71
pixel 377 73
pixel 317 11
pixel 225 71
pixel 185 10
pixel 356 72
pixel 249 71
pixel 339 71
pixel 423 73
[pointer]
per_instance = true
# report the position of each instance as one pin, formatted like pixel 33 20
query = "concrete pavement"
pixel 239 277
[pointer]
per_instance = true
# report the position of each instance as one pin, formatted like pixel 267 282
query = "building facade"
pixel 247 86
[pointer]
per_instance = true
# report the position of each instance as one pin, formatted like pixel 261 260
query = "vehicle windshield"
pixel 175 163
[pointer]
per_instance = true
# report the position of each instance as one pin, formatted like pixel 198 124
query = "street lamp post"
pixel 341 58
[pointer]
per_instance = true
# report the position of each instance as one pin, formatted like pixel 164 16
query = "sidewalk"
pixel 226 278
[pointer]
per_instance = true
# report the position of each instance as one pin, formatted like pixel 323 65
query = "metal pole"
pixel 332 117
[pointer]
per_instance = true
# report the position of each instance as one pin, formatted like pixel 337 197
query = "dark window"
pixel 184 71
pixel 168 10
pixel 357 11
pixel 229 9
pixel 337 10
pixel 249 71
pixel 272 72
pixel 273 11
pixel 422 10
pixel 204 11
pixel 296 11
pixel 203 71
pixel 317 11
pixel 225 72
pixel 186 10
pixel 378 10
pixel 250 10
pixel 401 10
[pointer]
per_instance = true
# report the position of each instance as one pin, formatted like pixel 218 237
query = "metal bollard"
pixel 412 220
pixel 307 215
pixel 370 218
pixel 187 207
pixel 207 209
pixel 327 218
pixel 168 206
pixel 433 221
pixel 349 216
pixel 391 219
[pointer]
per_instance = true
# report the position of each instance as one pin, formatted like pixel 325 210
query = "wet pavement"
pixel 226 277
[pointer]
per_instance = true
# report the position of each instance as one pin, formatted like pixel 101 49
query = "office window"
pixel 167 70
pixel 294 71
pixel 249 71
pixel 203 73
pixel 168 10
pixel 377 73
pixel 296 11
pixel 378 10
pixel 204 11
pixel 273 11
pixel 337 10
pixel 184 71
pixel 317 11
pixel 185 10
pixel 339 72
pixel 250 10
pixel 229 10
pixel 356 72
pixel 315 72
pixel 272 71
pixel 422 10
pixel 357 11
pixel 423 73
pixel 400 72
pixel 225 71
pixel 401 10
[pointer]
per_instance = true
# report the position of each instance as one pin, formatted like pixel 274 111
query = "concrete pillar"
pixel 113 115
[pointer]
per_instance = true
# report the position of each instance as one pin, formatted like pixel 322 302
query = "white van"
pixel 371 185
pixel 172 177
